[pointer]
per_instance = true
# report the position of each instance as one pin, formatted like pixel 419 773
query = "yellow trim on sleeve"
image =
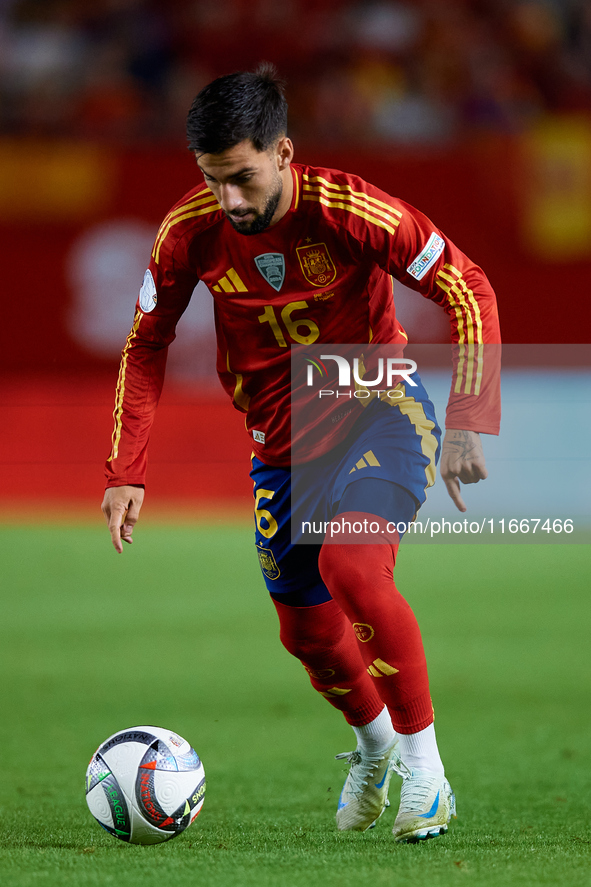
pixel 337 204
pixel 457 308
pixel 470 367
pixel 362 201
pixel 162 237
pixel 473 301
pixel 203 196
pixel 467 310
pixel 120 391
pixel 479 368
pixel 347 189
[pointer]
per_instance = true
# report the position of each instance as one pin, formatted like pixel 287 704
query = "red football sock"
pixel 359 578
pixel 322 639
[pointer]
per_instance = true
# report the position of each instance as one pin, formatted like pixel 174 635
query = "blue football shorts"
pixel 383 467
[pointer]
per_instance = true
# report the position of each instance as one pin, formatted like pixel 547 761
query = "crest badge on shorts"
pixel 268 563
pixel 272 267
pixel 317 266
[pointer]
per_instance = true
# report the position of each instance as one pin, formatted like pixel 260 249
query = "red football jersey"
pixel 322 274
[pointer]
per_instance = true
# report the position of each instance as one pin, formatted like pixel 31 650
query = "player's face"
pixel 249 184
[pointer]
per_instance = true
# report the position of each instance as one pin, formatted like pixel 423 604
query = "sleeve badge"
pixel 148 295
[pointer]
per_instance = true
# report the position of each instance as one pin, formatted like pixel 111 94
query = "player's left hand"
pixel 462 459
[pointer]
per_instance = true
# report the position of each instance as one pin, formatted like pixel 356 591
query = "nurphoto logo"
pixel 390 372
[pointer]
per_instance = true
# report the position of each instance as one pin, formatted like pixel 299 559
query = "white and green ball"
pixel 145 785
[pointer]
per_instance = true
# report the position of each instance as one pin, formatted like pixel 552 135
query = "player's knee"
pixel 300 647
pixel 308 632
pixel 311 649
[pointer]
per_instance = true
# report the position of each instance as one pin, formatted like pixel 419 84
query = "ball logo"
pixel 199 792
pixel 117 806
pixel 363 631
pixel 146 794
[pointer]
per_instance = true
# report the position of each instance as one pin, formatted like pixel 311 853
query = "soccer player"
pixel 295 255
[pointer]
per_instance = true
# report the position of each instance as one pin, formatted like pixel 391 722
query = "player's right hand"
pixel 121 507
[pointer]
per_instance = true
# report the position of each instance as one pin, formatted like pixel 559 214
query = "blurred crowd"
pixel 403 71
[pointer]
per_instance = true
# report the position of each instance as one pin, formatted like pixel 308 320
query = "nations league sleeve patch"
pixel 148 295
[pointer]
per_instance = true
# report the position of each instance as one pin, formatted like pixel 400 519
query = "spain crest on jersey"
pixel 317 266
pixel 268 563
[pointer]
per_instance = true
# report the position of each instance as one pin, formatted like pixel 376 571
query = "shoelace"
pixel 415 792
pixel 364 766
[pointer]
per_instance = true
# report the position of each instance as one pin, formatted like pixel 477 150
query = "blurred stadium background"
pixel 477 112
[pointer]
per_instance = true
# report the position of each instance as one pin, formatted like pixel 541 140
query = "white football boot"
pixel 427 804
pixel 365 793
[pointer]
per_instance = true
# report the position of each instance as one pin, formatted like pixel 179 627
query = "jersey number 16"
pixel 301 330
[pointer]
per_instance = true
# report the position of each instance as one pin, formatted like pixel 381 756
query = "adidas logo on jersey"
pixel 230 283
pixel 362 463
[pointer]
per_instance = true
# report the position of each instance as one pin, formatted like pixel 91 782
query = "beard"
pixel 261 219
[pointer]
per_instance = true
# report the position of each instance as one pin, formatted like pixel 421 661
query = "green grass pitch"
pixel 178 632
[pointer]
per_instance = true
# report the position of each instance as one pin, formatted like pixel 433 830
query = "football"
pixel 145 785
